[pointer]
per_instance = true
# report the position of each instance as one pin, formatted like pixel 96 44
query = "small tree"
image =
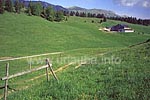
pixel 77 13
pixel 22 7
pixel 82 14
pixel 1 6
pixel 29 9
pixel 35 8
pixel 59 16
pixel 50 14
pixel 17 6
pixel 23 4
pixel 72 13
pixel 9 5
pixel 92 21
pixel 100 21
pixel 43 13
pixel 104 19
pixel 66 19
pixel 89 15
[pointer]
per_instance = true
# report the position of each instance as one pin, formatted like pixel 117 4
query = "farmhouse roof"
pixel 118 27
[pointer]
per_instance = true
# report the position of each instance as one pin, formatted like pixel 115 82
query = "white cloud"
pixel 146 3
pixel 142 3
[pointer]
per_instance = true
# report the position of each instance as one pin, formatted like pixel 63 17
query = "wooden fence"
pixel 7 76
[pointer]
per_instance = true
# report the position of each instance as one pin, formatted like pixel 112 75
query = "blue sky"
pixel 137 8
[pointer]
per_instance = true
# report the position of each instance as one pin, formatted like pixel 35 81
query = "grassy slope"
pixel 24 35
pixel 129 80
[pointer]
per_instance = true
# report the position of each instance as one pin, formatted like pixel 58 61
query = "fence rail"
pixel 11 59
pixel 7 76
pixel 23 73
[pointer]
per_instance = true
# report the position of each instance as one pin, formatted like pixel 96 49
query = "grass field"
pixel 128 80
pixel 22 35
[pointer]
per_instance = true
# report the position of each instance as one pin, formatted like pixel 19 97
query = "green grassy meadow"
pixel 128 80
pixel 22 35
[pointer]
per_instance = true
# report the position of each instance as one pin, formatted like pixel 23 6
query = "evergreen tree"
pixel 100 21
pixel 77 13
pixel 50 14
pixel 17 6
pixel 22 7
pixel 36 9
pixel 71 13
pixel 100 16
pixel 104 19
pixel 82 14
pixel 93 15
pixel 23 4
pixel 89 15
pixel 9 5
pixel 66 13
pixel 59 16
pixel 1 6
pixel 140 21
pixel 66 19
pixel 29 9
pixel 43 14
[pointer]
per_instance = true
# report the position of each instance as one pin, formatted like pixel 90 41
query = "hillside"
pixel 24 35
pixel 127 80
pixel 74 8
pixel 44 4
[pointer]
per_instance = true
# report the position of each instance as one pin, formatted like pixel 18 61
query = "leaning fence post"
pixel 30 65
pixel 6 82
pixel 60 55
pixel 51 69
pixel 47 71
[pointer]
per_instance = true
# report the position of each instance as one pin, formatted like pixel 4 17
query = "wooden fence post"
pixel 60 55
pixel 30 63
pixel 47 76
pixel 51 69
pixel 6 82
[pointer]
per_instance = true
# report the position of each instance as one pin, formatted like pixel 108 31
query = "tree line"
pixel 46 12
pixel 132 20
pixel 102 17
pixel 9 6
pixel 83 14
pixel 34 8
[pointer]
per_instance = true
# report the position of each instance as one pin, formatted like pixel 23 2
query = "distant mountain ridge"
pixel 45 4
pixel 96 11
pixel 74 8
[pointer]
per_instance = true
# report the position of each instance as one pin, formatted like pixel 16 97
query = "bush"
pixel 92 21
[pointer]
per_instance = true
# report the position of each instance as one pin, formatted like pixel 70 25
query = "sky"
pixel 135 8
